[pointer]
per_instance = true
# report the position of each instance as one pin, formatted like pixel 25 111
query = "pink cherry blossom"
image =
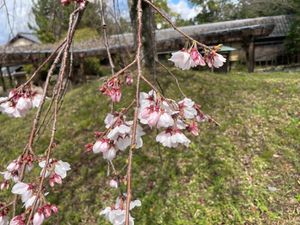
pixel 112 88
pixel 113 183
pixel 19 102
pixel 116 214
pixel 165 120
pixel 101 145
pixel 115 94
pixel 214 59
pixel 23 189
pixel 3 220
pixel 186 106
pixel 4 185
pixel 47 210
pixel 18 220
pixel 172 137
pixel 182 59
pixel 193 128
pixel 55 178
pixel 128 79
pixel 60 167
pixel 197 57
pixel 38 218
pixel 110 154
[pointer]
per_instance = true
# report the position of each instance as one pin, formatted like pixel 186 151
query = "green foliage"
pixel 223 178
pixel 84 34
pixel 92 66
pixel 220 10
pixel 257 8
pixel 52 19
pixel 293 39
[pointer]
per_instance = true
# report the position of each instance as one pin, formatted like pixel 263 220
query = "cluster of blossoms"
pixel 116 138
pixel 26 191
pixel 44 212
pixel 13 170
pixel 112 87
pixel 189 58
pixel 116 214
pixel 19 102
pixel 173 117
pixel 54 170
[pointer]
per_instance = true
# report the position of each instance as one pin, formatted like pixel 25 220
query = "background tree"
pixel 215 10
pixel 257 8
pixel 149 27
pixel 293 39
pixel 52 19
pixel 220 10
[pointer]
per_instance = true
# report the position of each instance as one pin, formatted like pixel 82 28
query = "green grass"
pixel 225 177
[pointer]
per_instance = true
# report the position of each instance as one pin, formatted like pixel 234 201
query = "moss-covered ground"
pixel 244 172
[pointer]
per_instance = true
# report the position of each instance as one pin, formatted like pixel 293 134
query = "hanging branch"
pixel 160 12
pixel 136 111
pixel 175 118
pixel 112 66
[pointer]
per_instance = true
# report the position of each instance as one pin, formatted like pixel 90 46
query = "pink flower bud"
pixel 14 165
pixel 54 209
pixel 113 183
pixel 89 147
pixel 153 118
pixel 4 185
pixel 115 94
pixel 193 128
pixel 197 57
pixel 101 145
pixel 128 79
pixel 38 218
pixel 55 178
pixel 47 210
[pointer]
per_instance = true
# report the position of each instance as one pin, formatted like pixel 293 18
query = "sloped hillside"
pixel 244 172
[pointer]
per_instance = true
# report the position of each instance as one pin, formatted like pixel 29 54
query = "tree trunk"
pixel 10 77
pixel 250 54
pixel 149 41
pixel 2 80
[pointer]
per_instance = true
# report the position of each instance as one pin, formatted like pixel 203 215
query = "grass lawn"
pixel 244 172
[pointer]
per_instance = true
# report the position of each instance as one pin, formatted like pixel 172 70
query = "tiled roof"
pixel 29 36
pixel 210 33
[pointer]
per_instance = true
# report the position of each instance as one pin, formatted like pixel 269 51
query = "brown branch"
pixel 59 48
pixel 124 69
pixel 175 78
pixel 175 27
pixel 137 98
pixel 106 39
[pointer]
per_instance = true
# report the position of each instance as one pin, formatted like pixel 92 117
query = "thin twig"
pixel 175 27
pixel 135 118
pixel 172 74
pixel 112 66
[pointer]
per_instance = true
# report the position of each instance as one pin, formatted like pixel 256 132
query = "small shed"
pixel 23 39
pixel 226 52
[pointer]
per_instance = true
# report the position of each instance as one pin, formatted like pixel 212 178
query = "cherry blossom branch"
pixel 175 27
pixel 106 39
pixel 125 68
pixel 57 97
pixel 50 57
pixel 136 111
pixel 175 78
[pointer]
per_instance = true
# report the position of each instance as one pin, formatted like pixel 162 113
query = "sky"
pixel 16 14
